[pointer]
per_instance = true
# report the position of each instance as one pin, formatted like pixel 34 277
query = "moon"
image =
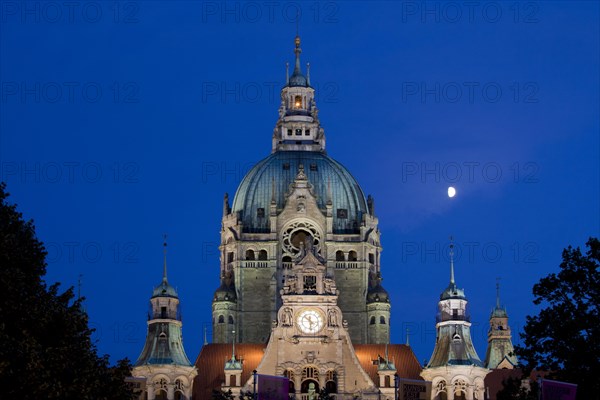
pixel 451 192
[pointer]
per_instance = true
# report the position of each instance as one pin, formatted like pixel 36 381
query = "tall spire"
pixel 498 293
pixel 165 258
pixel 407 337
pixel 287 73
pixel 308 74
pixel 451 260
pixel 297 50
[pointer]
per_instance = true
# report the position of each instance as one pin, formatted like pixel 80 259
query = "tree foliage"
pixel 564 338
pixel 514 390
pixel 46 351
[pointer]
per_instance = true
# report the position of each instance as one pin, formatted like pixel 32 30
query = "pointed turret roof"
pixel 164 289
pixel 498 311
pixel 452 291
pixel 298 78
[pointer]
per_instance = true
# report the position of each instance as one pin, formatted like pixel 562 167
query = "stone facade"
pixel 261 231
pixel 310 342
pixel 454 370
pixel 500 351
pixel 163 368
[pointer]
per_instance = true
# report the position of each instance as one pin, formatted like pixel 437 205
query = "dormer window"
pixel 298 102
pixel 456 338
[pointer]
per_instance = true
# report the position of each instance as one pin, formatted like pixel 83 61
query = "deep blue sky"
pixel 121 121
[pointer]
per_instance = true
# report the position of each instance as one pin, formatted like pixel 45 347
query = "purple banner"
pixel 272 387
pixel 555 390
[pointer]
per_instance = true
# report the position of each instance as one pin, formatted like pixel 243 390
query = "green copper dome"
pixel 276 172
pixel 453 292
pixel 225 292
pixel 378 294
pixel 164 289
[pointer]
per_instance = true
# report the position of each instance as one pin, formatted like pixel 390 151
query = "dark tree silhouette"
pixel 46 351
pixel 564 338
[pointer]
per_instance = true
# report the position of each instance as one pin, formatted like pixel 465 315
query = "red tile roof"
pixel 211 364
pixel 212 358
pixel 407 365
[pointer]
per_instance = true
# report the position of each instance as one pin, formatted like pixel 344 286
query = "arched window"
pixel 298 102
pixel 179 389
pixel 288 373
pixel 382 320
pixel 310 372
pixel 331 382
pixel 339 256
pixel 160 389
pixel 262 255
pixel 372 321
pixel 249 254
pixel 230 320
pixel 221 319
pixel 352 256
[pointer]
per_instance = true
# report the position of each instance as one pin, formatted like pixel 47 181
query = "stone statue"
pixel 332 318
pixel 287 317
pixel 312 394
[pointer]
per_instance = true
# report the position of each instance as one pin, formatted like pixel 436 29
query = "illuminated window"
pixel 298 102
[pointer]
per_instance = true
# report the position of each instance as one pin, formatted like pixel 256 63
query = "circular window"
pixel 295 235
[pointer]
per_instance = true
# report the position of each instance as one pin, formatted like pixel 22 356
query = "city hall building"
pixel 300 294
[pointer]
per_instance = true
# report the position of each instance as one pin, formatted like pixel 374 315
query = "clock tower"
pixel 309 341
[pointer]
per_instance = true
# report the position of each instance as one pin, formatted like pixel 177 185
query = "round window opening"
pixel 295 236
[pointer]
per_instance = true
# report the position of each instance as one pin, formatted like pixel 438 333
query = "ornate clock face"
pixel 310 321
